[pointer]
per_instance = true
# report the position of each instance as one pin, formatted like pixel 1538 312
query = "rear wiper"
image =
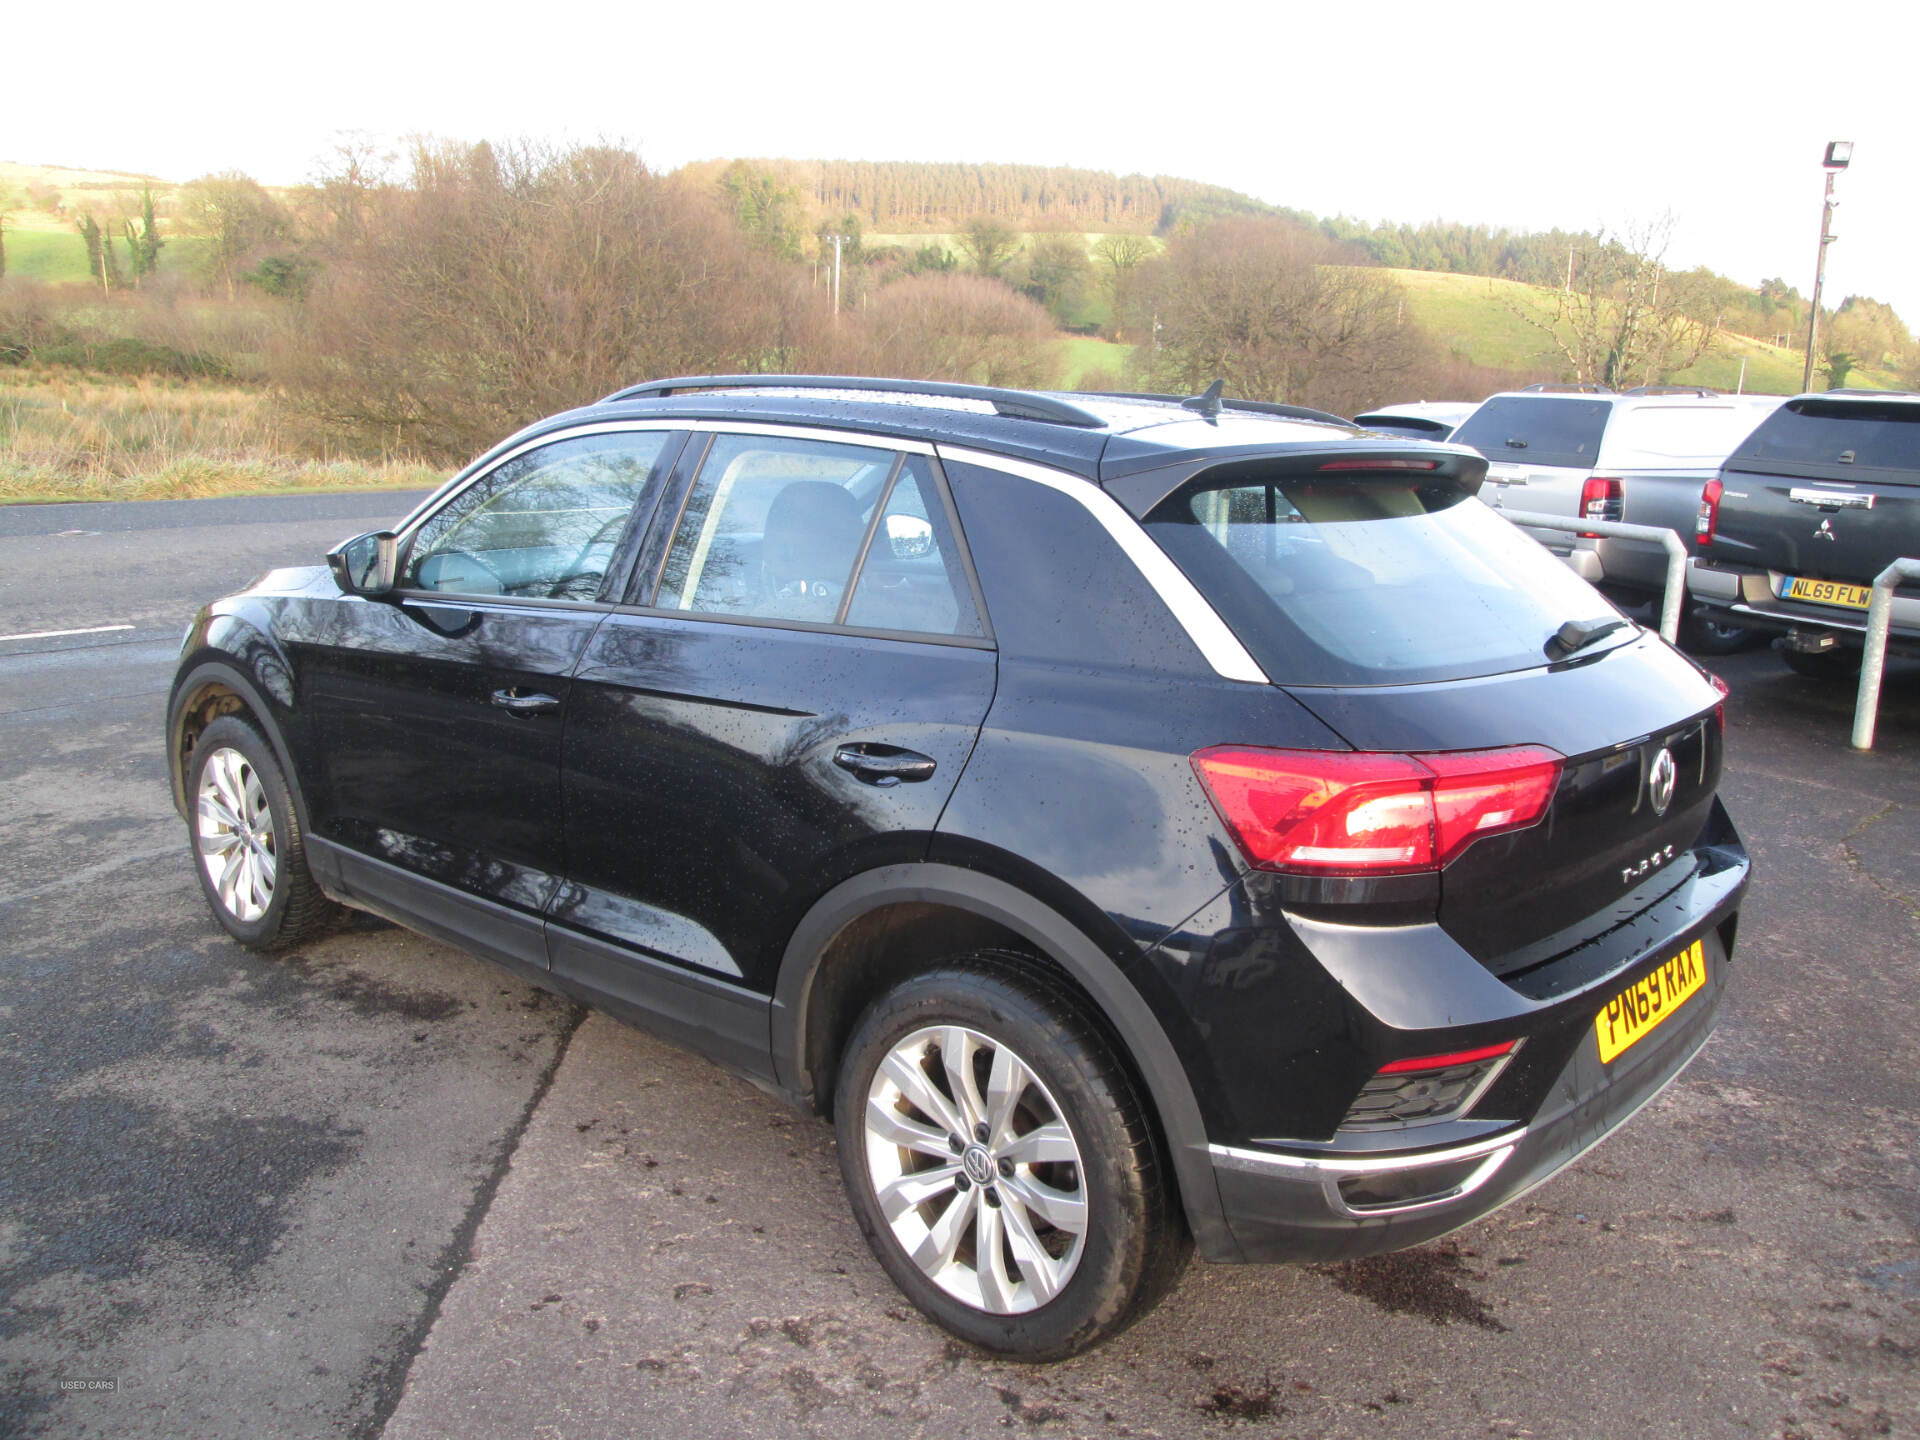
pixel 1576 635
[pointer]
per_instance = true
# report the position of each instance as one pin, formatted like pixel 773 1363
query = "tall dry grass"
pixel 71 437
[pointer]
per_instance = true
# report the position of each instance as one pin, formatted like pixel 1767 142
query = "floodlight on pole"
pixel 1839 156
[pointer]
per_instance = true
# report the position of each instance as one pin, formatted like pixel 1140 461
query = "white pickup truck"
pixel 1641 456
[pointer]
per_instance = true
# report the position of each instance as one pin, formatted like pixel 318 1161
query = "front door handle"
pixel 883 764
pixel 514 703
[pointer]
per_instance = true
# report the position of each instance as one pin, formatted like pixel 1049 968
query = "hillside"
pixel 1474 316
pixel 42 202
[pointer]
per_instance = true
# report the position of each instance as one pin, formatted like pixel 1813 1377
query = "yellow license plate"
pixel 1646 1003
pixel 1827 592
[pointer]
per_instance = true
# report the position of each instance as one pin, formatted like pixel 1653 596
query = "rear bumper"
pixel 1285 1207
pixel 1362 1193
pixel 1751 598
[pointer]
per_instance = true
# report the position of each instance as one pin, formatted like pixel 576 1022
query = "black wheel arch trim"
pixel 227 671
pixel 1123 1008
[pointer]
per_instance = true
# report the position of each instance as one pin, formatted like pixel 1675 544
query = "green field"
pixel 59 256
pixel 1087 362
pixel 1474 317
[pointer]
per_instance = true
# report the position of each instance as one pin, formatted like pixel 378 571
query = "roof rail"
pixel 1257 407
pixel 1557 387
pixel 1020 404
pixel 1702 391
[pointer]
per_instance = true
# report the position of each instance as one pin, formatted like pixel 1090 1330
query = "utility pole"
pixel 1839 155
pixel 837 240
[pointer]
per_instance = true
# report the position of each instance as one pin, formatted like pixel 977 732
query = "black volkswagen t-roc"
pixel 1141 824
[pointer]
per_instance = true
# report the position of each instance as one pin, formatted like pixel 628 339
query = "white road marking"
pixel 57 634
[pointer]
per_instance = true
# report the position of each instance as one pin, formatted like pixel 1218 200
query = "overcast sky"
pixel 1522 115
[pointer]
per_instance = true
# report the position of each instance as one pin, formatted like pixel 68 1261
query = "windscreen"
pixel 1372 581
pixel 1538 430
pixel 1883 436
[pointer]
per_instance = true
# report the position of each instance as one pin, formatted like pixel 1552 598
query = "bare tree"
pixel 497 285
pixel 1276 311
pixel 955 327
pixel 1625 319
pixel 237 217
pixel 1117 257
pixel 988 244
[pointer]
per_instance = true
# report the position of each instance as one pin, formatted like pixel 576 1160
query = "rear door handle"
pixel 883 764
pixel 514 703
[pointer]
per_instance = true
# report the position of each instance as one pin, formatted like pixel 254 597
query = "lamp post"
pixel 1839 155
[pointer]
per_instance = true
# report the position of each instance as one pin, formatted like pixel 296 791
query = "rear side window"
pixel 1816 432
pixel 774 527
pixel 1538 430
pixel 1370 581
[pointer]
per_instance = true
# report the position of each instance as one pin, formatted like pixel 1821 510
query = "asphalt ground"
pixel 373 1188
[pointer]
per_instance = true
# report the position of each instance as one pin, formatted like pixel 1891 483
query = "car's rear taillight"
pixel 1720 710
pixel 1366 813
pixel 1707 523
pixel 1602 498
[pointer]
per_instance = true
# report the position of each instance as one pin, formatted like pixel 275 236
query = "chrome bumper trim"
pixel 1328 1171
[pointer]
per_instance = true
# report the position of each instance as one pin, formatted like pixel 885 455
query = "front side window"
pixel 773 528
pixel 543 525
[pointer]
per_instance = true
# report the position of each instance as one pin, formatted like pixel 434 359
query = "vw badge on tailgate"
pixel 1662 776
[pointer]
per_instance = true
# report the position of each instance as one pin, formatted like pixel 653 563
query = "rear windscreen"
pixel 1538 430
pixel 1825 432
pixel 1371 581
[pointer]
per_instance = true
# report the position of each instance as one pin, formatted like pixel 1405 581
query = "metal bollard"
pixel 1866 709
pixel 1668 540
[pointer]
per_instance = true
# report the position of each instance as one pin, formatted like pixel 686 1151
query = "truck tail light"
pixel 1707 523
pixel 1336 812
pixel 1602 497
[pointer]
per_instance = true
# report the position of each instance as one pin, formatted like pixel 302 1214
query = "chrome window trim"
pixel 1209 633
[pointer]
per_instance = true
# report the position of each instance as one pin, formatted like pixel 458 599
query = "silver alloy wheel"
pixel 234 834
pixel 976 1170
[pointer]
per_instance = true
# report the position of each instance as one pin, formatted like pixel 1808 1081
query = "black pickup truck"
pixel 1820 499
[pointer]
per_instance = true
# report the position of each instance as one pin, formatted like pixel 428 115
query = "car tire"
pixel 1701 634
pixel 969 1198
pixel 1842 663
pixel 248 849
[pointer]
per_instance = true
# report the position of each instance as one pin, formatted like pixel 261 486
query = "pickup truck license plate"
pixel 1826 592
pixel 1647 1003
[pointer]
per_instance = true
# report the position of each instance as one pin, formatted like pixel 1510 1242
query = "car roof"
pixel 1860 397
pixel 1125 428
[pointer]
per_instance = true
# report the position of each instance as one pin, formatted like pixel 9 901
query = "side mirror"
pixel 910 536
pixel 365 564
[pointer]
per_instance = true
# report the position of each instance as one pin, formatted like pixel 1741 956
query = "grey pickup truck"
pixel 1641 456
pixel 1805 513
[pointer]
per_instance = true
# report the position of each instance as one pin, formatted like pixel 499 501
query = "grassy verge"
pixel 76 437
